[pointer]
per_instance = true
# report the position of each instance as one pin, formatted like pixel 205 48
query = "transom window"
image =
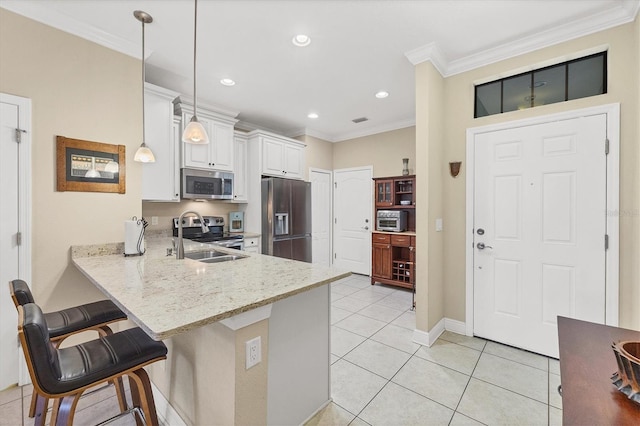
pixel 578 78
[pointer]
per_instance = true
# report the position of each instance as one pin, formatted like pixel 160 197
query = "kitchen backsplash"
pixel 165 212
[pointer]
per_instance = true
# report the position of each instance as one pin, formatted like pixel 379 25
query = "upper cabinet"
pixel 161 180
pixel 240 168
pixel 397 192
pixel 219 152
pixel 280 156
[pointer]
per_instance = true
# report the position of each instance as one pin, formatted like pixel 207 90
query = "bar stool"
pixel 64 374
pixel 64 323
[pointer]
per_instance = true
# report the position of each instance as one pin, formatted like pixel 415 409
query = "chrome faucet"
pixel 180 248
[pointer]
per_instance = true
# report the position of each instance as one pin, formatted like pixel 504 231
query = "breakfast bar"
pixel 209 313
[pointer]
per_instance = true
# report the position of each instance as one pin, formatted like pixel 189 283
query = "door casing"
pixel 612 255
pixel 24 204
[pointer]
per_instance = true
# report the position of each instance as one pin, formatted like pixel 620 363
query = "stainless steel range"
pixel 192 230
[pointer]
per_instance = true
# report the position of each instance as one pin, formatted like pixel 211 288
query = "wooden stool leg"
pixel 34 401
pixel 64 410
pixel 39 405
pixel 122 399
pixel 144 395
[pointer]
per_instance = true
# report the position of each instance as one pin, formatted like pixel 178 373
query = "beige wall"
pixel 383 151
pixel 429 207
pixel 84 91
pixel 624 47
pixel 318 154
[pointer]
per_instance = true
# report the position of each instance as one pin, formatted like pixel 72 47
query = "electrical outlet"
pixel 253 352
pixel 154 220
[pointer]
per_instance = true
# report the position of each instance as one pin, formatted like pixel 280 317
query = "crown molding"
pixel 304 131
pixel 624 13
pixel 41 13
pixel 429 52
pixel 374 130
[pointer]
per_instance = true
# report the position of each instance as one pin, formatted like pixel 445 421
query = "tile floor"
pixel 380 377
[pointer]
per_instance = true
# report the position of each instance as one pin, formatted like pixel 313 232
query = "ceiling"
pixel 357 49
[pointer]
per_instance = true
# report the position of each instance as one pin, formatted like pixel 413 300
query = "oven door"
pixel 387 224
pixel 237 244
pixel 203 184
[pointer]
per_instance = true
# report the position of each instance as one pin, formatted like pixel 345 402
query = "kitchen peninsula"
pixel 206 312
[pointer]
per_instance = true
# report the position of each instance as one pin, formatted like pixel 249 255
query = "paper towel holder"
pixel 140 224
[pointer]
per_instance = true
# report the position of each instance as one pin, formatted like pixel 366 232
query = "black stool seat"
pixel 64 370
pixel 71 320
pixel 78 318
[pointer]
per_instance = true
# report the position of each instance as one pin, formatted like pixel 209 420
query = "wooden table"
pixel 586 366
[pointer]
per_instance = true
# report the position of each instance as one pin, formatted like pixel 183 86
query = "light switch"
pixel 439 225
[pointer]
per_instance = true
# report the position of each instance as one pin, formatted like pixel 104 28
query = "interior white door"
pixel 352 220
pixel 9 252
pixel 321 216
pixel 539 223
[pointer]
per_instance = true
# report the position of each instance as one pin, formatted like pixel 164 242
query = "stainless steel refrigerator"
pixel 286 218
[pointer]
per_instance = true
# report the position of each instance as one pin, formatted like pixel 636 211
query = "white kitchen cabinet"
pixel 218 153
pixel 240 167
pixel 161 180
pixel 281 157
pixel 252 245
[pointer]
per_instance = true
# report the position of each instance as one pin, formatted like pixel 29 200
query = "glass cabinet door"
pixel 384 193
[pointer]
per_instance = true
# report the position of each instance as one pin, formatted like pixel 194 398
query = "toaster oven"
pixel 391 220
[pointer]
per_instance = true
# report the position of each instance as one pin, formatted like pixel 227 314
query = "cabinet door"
pixel 252 245
pixel 384 193
pixel 272 157
pixel 240 169
pixel 160 179
pixel 221 141
pixel 381 260
pixel 197 156
pixel 293 161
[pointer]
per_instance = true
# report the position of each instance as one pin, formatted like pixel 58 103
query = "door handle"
pixel 366 228
pixel 482 246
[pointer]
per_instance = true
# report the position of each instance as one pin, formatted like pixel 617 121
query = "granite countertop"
pixel 166 296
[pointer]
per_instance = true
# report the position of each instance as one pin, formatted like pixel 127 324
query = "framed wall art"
pixel 89 166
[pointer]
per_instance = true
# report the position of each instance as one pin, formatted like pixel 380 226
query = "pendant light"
pixel 143 154
pixel 194 132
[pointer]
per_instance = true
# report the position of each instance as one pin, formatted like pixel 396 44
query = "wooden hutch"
pixel 393 253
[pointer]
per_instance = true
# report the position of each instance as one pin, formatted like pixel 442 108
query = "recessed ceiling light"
pixel 312 115
pixel 301 40
pixel 227 82
pixel 382 94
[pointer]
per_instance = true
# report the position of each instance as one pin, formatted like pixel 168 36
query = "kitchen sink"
pixel 213 256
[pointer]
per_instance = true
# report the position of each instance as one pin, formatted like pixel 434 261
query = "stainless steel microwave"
pixel 391 220
pixel 206 185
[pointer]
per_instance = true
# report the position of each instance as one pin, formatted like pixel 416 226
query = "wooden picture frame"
pixel 89 166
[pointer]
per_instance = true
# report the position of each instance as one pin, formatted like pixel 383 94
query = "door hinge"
pixel 335 184
pixel 335 220
pixel 19 133
pixel 606 147
pixel 606 242
pixel 335 256
pixel 19 238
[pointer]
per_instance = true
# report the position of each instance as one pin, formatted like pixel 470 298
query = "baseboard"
pixel 428 338
pixel 455 326
pixel 167 415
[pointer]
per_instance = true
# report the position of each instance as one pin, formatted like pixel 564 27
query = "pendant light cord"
pixel 195 32
pixel 144 138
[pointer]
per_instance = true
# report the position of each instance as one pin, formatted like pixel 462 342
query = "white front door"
pixel 14 114
pixel 321 216
pixel 352 220
pixel 540 202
